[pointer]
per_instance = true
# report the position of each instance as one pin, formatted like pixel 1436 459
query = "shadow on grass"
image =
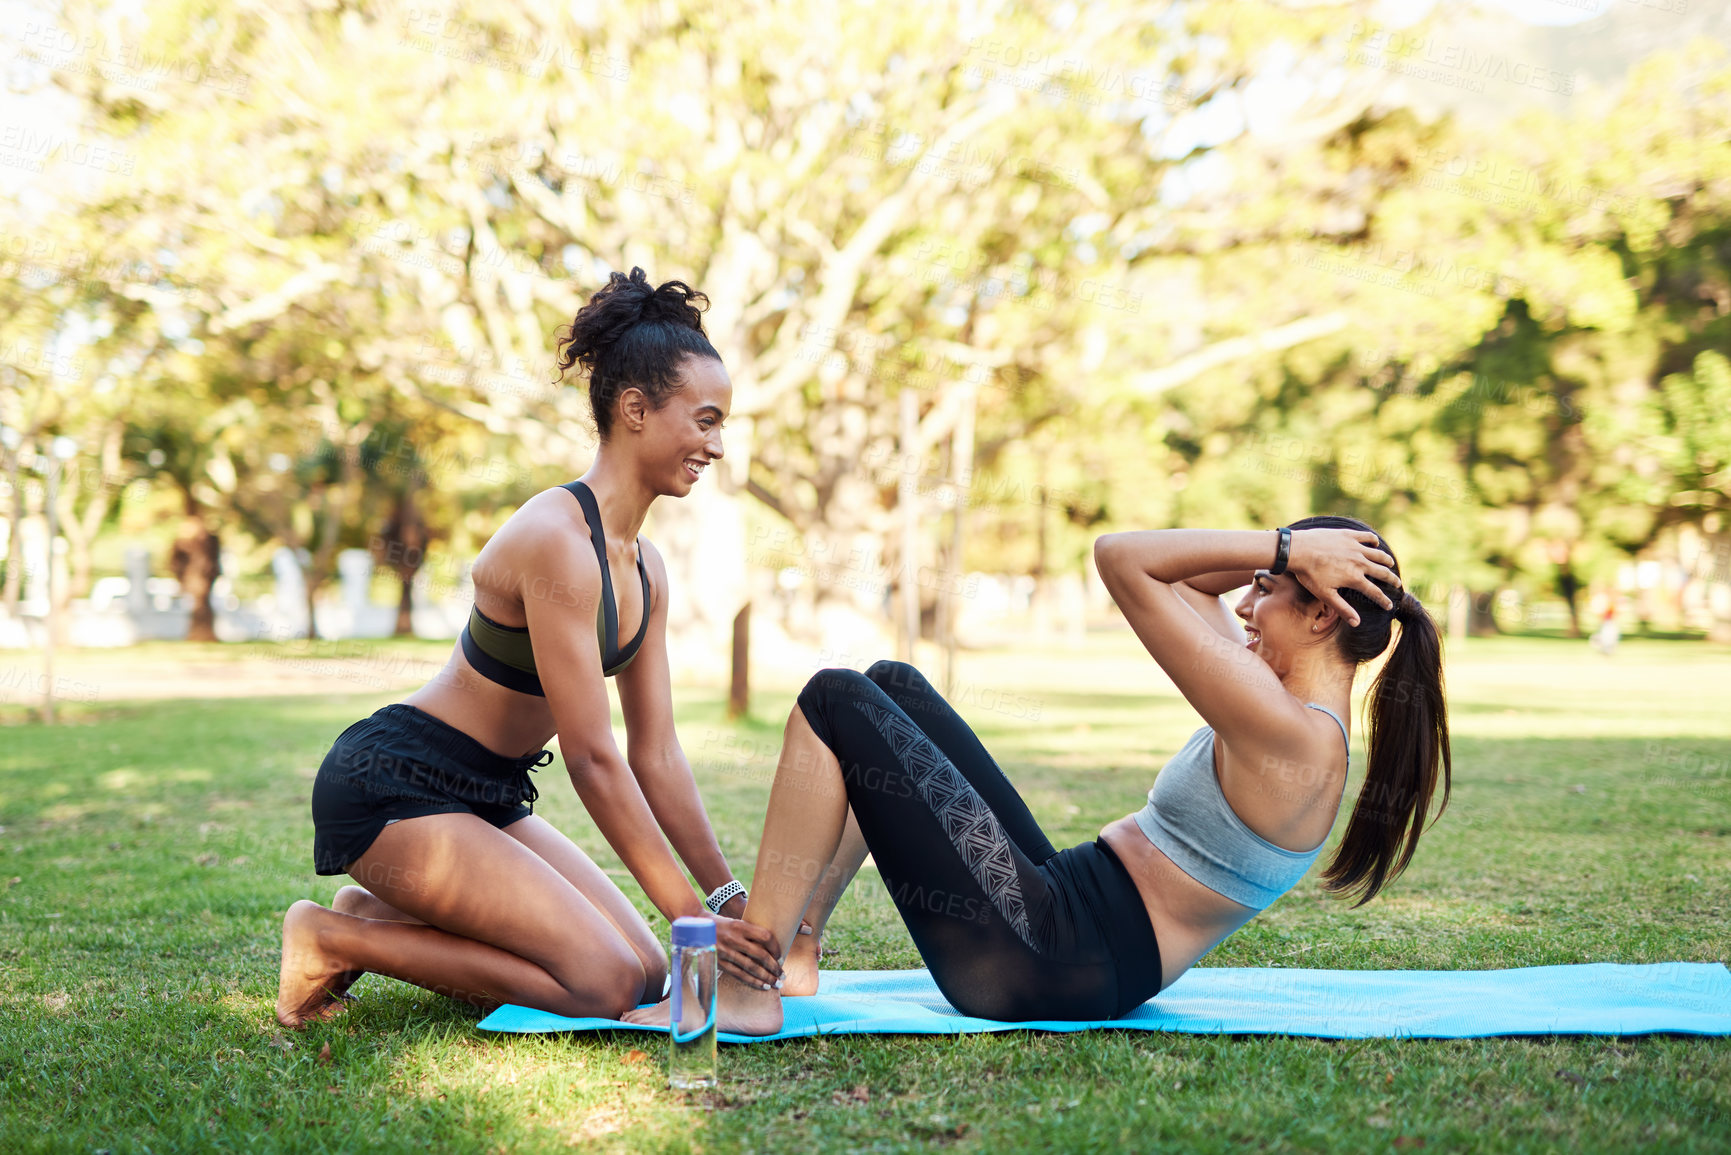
pixel 401 1073
pixel 138 953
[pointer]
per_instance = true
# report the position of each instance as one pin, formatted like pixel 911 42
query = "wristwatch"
pixel 1282 551
pixel 723 894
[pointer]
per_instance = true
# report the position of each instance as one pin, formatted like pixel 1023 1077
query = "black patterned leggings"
pixel 1011 929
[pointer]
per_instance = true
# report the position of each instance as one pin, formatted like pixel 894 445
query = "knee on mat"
pixel 608 982
pixel 655 971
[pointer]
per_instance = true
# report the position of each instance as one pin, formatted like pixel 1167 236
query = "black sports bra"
pixel 503 654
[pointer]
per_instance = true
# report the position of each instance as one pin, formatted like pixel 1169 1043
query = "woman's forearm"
pixel 1221 581
pixel 613 798
pixel 671 791
pixel 1209 556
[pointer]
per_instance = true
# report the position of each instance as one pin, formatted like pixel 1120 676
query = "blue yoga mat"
pixel 1584 999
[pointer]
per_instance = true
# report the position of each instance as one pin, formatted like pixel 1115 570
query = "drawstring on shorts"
pixel 530 794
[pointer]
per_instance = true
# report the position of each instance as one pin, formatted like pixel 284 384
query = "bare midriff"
pixel 501 719
pixel 1189 920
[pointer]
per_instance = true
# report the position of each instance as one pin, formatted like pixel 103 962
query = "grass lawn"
pixel 147 852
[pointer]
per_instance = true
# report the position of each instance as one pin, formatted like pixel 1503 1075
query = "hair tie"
pixel 1408 605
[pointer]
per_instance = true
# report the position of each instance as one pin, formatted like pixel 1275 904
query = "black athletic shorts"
pixel 1011 928
pixel 403 763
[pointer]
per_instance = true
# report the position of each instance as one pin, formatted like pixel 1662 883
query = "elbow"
pixel 579 769
pixel 653 758
pixel 1106 549
pixel 589 766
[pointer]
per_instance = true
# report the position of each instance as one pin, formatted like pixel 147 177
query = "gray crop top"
pixel 1189 819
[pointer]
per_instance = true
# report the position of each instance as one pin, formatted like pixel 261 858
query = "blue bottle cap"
pixel 691 931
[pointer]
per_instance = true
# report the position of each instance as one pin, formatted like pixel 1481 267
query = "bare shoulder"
pixel 545 540
pixel 551 516
pixel 1310 744
pixel 1287 791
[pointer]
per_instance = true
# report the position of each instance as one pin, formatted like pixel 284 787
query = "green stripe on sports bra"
pixel 507 644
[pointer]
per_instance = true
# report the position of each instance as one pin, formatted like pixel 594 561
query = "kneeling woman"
pixel 464 891
pixel 1014 930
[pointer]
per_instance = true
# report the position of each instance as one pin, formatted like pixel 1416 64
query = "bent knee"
pixel 836 680
pixel 888 673
pixel 652 956
pixel 621 984
pixel 655 971
pixel 604 981
pixel 827 688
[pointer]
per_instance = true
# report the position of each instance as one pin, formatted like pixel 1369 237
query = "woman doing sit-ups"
pixel 426 804
pixel 1014 930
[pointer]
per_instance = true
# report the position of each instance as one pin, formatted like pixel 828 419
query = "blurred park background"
pixel 281 281
pixel 281 284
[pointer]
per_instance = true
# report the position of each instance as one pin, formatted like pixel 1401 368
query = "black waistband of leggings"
pixel 1131 937
pixel 450 742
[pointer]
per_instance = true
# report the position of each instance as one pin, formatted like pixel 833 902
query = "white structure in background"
pixel 286 605
pixel 1684 581
pixel 121 611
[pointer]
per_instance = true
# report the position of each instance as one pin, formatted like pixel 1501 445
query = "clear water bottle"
pixel 691 1034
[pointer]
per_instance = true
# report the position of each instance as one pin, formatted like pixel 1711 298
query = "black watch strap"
pixel 1282 551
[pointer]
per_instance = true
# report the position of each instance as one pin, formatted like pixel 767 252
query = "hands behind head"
pixel 1327 560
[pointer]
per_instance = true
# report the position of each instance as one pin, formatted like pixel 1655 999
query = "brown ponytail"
pixel 1408 736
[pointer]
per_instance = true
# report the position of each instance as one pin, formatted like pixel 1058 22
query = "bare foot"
pixel 799 969
pixel 655 1016
pixel 310 985
pixel 739 1010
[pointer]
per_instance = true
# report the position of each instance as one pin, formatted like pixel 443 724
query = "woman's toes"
pixel 655 1016
pixel 307 982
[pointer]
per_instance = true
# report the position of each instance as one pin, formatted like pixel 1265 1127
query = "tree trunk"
pixel 15 538
pixel 78 549
pixel 1459 600
pixel 908 512
pixel 1570 587
pixel 962 476
pixel 402 545
pixel 1040 604
pixel 739 684
pixel 81 529
pixel 1481 622
pixel 196 562
pixel 702 540
pixel 310 583
pixel 406 610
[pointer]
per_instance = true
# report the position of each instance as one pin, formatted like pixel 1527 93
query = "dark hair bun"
pixel 634 334
pixel 673 301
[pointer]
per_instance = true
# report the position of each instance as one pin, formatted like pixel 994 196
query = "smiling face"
pixel 677 441
pixel 1280 631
